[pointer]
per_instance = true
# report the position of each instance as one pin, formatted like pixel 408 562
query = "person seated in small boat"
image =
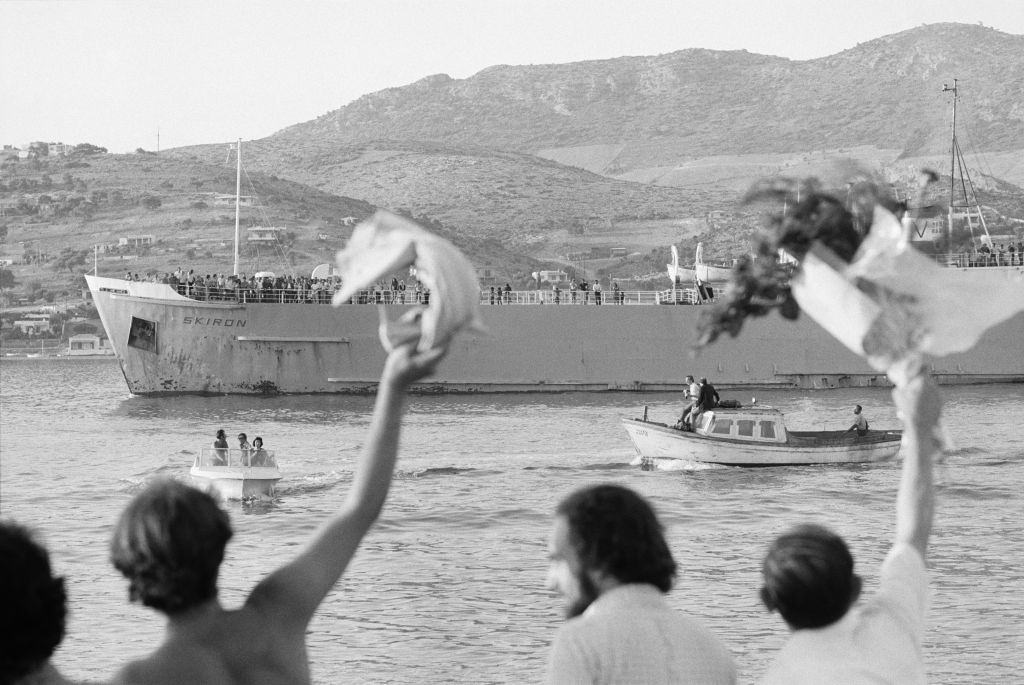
pixel 860 424
pixel 220 449
pixel 170 541
pixel 244 447
pixel 260 457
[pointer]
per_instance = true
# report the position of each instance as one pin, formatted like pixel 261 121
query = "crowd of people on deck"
pixel 608 558
pixel 1000 255
pixel 320 290
pixel 283 289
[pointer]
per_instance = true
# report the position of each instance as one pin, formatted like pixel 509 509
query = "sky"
pixel 117 73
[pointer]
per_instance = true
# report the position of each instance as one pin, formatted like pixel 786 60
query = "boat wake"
pixel 681 465
pixel 436 471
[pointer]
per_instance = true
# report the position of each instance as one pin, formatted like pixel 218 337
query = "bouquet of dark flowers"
pixel 850 266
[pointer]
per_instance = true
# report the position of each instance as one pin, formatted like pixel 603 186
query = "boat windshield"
pixel 748 428
pixel 225 456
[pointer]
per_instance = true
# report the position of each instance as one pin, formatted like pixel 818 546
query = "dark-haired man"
pixel 809 578
pixel 610 562
pixel 170 542
pixel 33 609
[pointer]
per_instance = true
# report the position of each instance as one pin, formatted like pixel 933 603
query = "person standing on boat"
pixel 809 579
pixel 707 398
pixel 609 560
pixel 220 448
pixel 692 394
pixel 169 543
pixel 860 424
pixel 244 447
pixel 259 455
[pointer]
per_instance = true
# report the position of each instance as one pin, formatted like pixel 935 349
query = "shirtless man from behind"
pixel 170 541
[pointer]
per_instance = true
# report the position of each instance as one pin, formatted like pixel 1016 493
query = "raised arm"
pixel 920 405
pixel 294 591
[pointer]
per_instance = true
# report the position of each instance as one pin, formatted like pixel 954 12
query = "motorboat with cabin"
pixel 236 473
pixel 754 435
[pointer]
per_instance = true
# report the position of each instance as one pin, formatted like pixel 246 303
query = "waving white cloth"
pixel 387 243
pixel 892 303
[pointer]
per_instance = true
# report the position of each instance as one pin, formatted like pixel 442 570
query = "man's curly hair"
pixel 34 604
pixel 169 544
pixel 616 531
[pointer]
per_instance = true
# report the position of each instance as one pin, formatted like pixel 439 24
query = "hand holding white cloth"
pixel 386 243
pixel 892 303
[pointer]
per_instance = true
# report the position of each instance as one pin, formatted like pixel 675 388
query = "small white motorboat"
pixel 755 436
pixel 235 473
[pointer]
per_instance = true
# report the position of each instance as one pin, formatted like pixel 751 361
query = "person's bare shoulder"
pixel 170 666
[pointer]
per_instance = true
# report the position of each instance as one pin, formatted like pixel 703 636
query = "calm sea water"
pixel 449 586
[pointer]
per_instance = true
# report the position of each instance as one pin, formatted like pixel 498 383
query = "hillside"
pixel 61 214
pixel 528 203
pixel 886 93
pixel 475 152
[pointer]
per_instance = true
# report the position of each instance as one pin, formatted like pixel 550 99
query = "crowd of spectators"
pixel 310 290
pixel 1000 255
pixel 283 289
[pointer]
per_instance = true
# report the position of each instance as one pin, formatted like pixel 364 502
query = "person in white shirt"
pixel 610 562
pixel 692 393
pixel 809 579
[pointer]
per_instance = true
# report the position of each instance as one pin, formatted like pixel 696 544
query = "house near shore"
pixel 223 199
pixel 88 344
pixel 136 241
pixel 553 276
pixel 265 235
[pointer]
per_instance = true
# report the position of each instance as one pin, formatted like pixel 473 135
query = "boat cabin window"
pixel 745 427
pixel 722 426
pixel 767 429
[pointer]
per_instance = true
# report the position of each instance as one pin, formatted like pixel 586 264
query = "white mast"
pixel 958 163
pixel 952 163
pixel 238 196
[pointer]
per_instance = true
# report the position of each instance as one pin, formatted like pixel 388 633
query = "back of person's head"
pixel 808 577
pixel 703 380
pixel 615 531
pixel 33 604
pixel 169 543
pixel 221 435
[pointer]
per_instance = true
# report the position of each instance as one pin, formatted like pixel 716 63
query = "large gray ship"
pixel 168 343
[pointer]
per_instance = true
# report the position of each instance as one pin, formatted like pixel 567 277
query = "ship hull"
pixel 166 343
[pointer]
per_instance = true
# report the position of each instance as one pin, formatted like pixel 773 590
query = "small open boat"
pixel 236 473
pixel 755 436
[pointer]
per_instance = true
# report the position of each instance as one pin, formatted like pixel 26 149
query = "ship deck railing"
pixel 964 260
pixel 514 297
pixel 234 456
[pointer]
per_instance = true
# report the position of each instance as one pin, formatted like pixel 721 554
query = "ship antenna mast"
pixel 952 162
pixel 238 195
pixel 970 201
